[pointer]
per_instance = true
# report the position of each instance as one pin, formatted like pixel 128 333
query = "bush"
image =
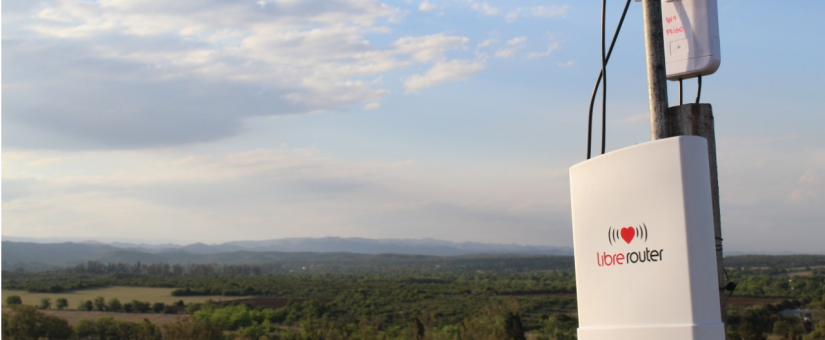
pixel 186 329
pixel 4 326
pixel 61 303
pixel 157 307
pixel 115 305
pixel 25 322
pixel 818 332
pixel 45 303
pixel 99 304
pixel 13 300
pixel 109 328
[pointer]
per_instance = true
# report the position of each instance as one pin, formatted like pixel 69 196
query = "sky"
pixel 213 121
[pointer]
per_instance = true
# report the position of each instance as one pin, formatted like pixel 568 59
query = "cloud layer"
pixel 133 74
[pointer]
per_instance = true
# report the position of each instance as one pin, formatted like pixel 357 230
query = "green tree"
pixel 99 304
pixel 187 329
pixel 513 326
pixel 45 303
pixel 4 326
pixel 86 306
pixel 26 323
pixel 85 329
pixel 115 305
pixel 13 300
pixel 560 327
pixel 157 307
pixel 818 333
pixel 61 303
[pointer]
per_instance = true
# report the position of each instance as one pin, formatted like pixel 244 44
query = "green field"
pixel 124 294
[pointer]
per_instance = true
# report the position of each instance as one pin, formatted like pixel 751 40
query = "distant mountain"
pixel 20 253
pixel 392 246
pixel 43 255
pixel 425 246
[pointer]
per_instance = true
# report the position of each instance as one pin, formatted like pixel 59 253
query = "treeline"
pixel 308 321
pixel 278 263
pixel 770 283
pixel 777 262
pixel 173 270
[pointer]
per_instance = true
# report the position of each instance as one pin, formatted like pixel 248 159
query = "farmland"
pixel 394 302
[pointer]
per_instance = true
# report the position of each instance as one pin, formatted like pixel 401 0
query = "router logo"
pixel 627 234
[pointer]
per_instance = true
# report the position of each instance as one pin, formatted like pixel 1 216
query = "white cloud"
pixel 808 187
pixel 443 72
pixel 426 6
pixel 568 63
pixel 428 48
pixel 536 12
pixel 516 41
pixel 195 60
pixel 546 53
pixel 485 43
pixel 504 53
pixel 486 9
pixel 372 106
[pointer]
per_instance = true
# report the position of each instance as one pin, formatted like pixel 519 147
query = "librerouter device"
pixel 644 244
pixel 691 34
pixel 691 37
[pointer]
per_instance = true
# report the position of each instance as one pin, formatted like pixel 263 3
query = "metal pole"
pixel 656 74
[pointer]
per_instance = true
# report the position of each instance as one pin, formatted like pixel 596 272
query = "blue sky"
pixel 213 121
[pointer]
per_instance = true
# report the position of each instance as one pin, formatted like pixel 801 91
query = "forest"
pixel 508 299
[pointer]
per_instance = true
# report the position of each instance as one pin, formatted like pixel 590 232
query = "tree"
pixel 818 333
pixel 99 304
pixel 13 300
pixel 86 306
pixel 4 326
pixel 186 329
pixel 61 303
pixel 26 323
pixel 45 303
pixel 513 326
pixel 157 307
pixel 560 327
pixel 115 305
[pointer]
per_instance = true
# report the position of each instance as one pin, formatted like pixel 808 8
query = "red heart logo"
pixel 628 234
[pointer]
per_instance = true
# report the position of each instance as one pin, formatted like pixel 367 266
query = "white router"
pixel 691 34
pixel 644 243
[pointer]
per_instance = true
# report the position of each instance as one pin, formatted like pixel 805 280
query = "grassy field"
pixel 124 294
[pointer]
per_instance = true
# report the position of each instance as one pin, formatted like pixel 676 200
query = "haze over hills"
pixel 426 246
pixel 44 254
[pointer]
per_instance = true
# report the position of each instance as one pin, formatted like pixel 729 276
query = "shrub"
pixel 61 303
pixel 13 300
pixel 115 305
pixel 45 303
pixel 186 329
pixel 25 322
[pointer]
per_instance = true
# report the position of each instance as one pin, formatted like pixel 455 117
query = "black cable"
pixel 604 77
pixel 599 80
pixel 699 90
pixel 680 91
